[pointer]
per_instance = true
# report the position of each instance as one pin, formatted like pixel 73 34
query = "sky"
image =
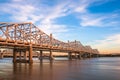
pixel 92 22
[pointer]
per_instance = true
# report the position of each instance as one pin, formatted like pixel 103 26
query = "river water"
pixel 62 69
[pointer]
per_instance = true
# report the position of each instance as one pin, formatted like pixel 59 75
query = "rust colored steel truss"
pixel 27 33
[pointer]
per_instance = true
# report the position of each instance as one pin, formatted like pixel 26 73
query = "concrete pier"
pixel 76 56
pixel 30 54
pixel 25 54
pixel 1 55
pixel 14 55
pixel 69 55
pixel 79 55
pixel 41 55
pixel 51 55
pixel 20 55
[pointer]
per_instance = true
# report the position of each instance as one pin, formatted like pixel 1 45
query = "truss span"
pixel 26 34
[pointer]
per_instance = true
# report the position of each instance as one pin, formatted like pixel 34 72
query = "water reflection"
pixel 89 69
pixel 22 71
pixel 35 71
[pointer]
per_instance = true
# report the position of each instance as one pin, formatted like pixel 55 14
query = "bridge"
pixel 26 38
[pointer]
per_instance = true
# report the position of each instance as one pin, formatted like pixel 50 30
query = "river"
pixel 106 68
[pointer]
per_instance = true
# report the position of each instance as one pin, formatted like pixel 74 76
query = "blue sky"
pixel 93 22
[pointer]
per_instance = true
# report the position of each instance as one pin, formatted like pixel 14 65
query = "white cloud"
pixel 21 12
pixel 53 28
pixel 111 44
pixel 99 20
pixel 81 6
pixel 81 9
pixel 90 21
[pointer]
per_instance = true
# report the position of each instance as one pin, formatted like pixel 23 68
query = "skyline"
pixel 94 23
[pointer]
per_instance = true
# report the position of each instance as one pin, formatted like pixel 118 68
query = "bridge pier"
pixel 41 55
pixel 79 56
pixel 20 55
pixel 85 55
pixel 51 56
pixel 89 55
pixel 76 56
pixel 70 55
pixel 2 54
pixel 30 54
pixel 14 55
pixel 25 55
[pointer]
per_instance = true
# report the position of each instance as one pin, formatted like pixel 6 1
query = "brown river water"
pixel 62 69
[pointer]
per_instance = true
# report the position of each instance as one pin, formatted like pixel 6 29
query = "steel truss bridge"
pixel 26 38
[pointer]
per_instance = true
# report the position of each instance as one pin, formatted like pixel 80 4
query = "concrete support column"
pixel 88 55
pixel 14 55
pixel 80 56
pixel 69 55
pixel 84 55
pixel 41 55
pixel 51 56
pixel 25 55
pixel 76 56
pixel 1 55
pixel 20 55
pixel 30 54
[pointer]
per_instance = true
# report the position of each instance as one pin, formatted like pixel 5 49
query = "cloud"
pixel 21 12
pixel 45 15
pixel 81 9
pixel 53 28
pixel 55 12
pixel 33 13
pixel 87 20
pixel 110 44
pixel 99 20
